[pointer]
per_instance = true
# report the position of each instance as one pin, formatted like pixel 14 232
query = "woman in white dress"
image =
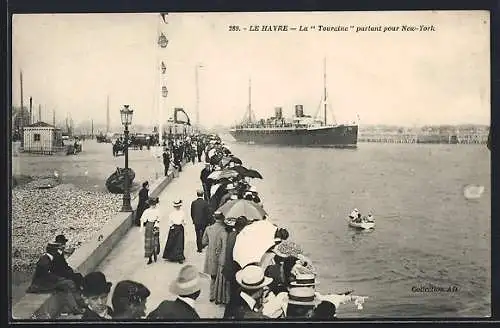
pixel 174 247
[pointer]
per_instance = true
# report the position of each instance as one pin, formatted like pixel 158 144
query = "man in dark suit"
pixel 249 304
pixel 187 288
pixel 45 280
pixel 200 213
pixel 204 180
pixel 61 266
pixel 143 203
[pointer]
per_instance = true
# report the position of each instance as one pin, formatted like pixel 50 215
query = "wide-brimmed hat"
pixel 187 281
pixel 178 203
pixel 252 277
pixel 95 284
pixel 304 280
pixel 61 239
pixel 302 296
pixel 286 249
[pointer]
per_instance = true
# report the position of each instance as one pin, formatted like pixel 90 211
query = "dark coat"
pixel 230 267
pixel 62 269
pixel 92 316
pixel 173 310
pixel 44 278
pixel 143 198
pixel 166 158
pixel 204 174
pixel 200 212
pixel 142 205
pixel 243 311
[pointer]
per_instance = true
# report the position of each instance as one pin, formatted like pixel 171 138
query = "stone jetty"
pixel 126 260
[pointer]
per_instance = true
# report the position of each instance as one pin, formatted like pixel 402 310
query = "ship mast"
pixel 324 86
pixel 250 100
pixel 107 114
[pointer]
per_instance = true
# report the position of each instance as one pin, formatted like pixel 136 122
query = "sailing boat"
pixel 300 130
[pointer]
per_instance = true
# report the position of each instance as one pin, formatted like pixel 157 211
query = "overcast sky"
pixel 73 62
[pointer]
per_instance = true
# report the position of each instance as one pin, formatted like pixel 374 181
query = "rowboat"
pixel 361 225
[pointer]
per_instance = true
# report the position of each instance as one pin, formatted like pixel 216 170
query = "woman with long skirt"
pixel 174 248
pixel 222 291
pixel 150 222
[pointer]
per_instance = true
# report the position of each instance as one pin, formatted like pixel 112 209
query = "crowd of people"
pixel 277 281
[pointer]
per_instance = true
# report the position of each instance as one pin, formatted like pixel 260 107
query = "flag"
pixel 164 17
pixel 163 68
pixel 164 91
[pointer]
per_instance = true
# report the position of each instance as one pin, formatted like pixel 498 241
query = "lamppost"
pixel 126 117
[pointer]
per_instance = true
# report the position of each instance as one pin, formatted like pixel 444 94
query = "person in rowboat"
pixel 354 214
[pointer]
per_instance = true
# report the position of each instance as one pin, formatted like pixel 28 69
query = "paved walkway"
pixel 126 260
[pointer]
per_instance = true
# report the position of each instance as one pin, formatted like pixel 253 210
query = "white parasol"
pixel 253 241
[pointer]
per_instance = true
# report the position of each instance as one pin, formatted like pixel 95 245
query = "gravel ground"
pixel 77 205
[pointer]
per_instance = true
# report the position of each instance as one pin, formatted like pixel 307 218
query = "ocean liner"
pixel 299 130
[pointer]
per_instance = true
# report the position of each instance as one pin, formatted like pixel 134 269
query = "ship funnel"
pixel 299 111
pixel 278 113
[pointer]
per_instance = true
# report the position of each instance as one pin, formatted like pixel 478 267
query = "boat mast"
pixel 324 86
pixel 250 100
pixel 107 114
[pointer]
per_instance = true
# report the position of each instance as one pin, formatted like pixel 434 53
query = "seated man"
pixel 45 280
pixel 61 266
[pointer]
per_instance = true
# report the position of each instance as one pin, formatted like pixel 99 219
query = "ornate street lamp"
pixel 126 117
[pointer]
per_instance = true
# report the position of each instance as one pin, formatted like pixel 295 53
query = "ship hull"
pixel 342 136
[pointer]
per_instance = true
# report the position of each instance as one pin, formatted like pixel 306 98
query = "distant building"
pixel 42 137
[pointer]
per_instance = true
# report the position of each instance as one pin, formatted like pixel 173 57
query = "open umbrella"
pixel 253 174
pixel 225 161
pixel 211 152
pixel 222 174
pixel 247 172
pixel 235 160
pixel 215 159
pixel 242 207
pixel 253 241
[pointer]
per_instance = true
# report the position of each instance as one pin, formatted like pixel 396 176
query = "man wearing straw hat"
pixel 187 288
pixel 252 282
